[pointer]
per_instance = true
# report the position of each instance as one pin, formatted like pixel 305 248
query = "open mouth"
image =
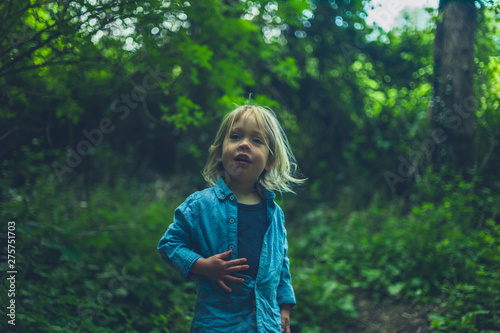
pixel 242 158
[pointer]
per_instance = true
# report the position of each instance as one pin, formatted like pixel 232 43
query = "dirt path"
pixel 388 316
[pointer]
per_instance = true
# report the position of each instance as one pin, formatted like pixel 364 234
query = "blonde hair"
pixel 284 171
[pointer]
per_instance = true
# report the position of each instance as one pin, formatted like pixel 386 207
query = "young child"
pixel 230 238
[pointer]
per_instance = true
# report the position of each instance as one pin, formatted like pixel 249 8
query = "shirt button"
pixel 231 197
pixel 231 246
pixel 231 221
pixel 221 196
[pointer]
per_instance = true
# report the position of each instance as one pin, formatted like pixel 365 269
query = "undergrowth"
pixel 445 253
pixel 89 263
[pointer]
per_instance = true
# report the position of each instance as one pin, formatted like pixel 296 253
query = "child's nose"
pixel 245 144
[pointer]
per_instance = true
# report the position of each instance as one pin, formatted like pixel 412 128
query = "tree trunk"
pixel 453 107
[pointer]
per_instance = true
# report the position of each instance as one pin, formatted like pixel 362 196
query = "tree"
pixel 167 66
pixel 453 108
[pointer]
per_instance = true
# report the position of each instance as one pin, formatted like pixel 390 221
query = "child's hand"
pixel 218 269
pixel 285 318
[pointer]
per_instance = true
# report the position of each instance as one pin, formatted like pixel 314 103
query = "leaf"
pixel 395 289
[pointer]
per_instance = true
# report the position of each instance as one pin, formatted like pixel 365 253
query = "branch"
pixel 47 64
pixel 9 133
pixel 27 53
pixel 16 16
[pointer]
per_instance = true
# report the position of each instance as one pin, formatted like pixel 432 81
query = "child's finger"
pixel 231 278
pixel 224 286
pixel 234 269
pixel 226 254
pixel 236 262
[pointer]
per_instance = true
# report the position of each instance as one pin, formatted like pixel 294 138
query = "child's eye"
pixel 234 136
pixel 257 141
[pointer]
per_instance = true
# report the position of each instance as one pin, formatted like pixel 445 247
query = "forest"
pixel 108 108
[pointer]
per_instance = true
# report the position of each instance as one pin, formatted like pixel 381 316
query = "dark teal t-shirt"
pixel 252 226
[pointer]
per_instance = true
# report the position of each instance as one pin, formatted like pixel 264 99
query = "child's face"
pixel 244 152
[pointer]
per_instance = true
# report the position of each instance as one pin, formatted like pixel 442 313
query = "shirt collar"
pixel 222 191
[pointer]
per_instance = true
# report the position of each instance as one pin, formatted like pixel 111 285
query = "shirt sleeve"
pixel 176 245
pixel 285 292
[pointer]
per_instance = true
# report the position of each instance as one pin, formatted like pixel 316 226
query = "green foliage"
pixel 473 305
pixel 187 113
pixel 445 251
pixel 90 264
pixel 352 98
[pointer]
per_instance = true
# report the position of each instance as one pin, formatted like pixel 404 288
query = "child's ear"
pixel 219 155
pixel 269 165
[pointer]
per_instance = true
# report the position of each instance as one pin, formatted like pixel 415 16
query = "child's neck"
pixel 247 195
pixel 248 199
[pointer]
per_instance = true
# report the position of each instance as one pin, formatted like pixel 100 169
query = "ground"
pixel 388 316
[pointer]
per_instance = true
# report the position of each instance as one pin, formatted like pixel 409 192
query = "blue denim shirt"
pixel 206 224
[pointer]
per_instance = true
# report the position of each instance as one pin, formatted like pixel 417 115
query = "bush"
pixel 91 265
pixel 88 263
pixel 445 252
